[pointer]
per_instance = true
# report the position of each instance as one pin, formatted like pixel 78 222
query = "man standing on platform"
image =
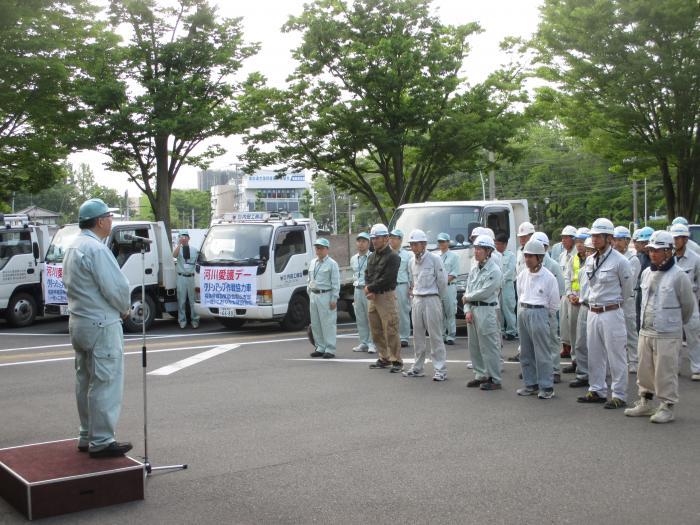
pixel 380 287
pixel 186 256
pixel 358 263
pixel 402 286
pixel 98 300
pixel 450 261
pixel 323 289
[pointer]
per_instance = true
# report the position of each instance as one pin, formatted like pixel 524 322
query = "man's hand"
pixel 125 315
pixel 333 305
pixel 469 317
pixel 464 299
pixel 370 296
pixel 573 299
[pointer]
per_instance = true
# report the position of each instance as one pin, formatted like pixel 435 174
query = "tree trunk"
pixel 162 209
pixel 669 194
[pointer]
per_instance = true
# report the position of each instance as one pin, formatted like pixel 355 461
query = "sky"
pixel 262 20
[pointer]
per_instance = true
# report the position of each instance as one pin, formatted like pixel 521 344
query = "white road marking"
pixel 33 347
pixel 192 360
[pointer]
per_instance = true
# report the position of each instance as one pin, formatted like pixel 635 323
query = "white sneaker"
pixel 642 407
pixel 470 366
pixel 439 376
pixel 695 377
pixel 412 372
pixel 360 348
pixel 371 350
pixel 664 414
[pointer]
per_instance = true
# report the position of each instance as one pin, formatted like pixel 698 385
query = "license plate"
pixel 227 312
pixel 64 309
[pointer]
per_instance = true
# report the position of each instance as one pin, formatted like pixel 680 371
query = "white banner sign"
pixel 54 291
pixel 228 286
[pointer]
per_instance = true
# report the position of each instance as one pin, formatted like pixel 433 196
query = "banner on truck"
pixel 54 291
pixel 228 286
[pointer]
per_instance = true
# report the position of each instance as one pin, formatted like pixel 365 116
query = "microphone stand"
pixel 148 467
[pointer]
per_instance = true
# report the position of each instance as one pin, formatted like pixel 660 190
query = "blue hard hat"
pixel 443 237
pixel 184 233
pixel 680 220
pixel 645 233
pixel 363 235
pixel 396 233
pixel 92 209
pixel 322 242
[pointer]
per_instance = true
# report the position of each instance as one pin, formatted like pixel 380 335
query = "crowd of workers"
pixel 616 303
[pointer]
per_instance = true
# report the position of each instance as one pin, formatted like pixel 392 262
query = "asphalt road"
pixel 271 436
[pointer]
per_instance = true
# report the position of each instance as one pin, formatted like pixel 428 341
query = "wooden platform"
pixel 47 479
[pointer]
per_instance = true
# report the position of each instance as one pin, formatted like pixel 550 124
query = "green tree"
pixel 306 204
pixel 47 50
pixel 168 91
pixel 259 204
pixel 377 104
pixel 625 76
pixel 184 201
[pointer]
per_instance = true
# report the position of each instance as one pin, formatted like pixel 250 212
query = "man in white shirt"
pixel 538 295
pixel 402 285
pixel 610 283
pixel 429 285
pixel 563 257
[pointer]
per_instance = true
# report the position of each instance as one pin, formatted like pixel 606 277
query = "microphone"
pixel 136 238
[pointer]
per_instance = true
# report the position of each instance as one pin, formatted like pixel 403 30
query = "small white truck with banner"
pixel 159 275
pixel 253 267
pixel 22 249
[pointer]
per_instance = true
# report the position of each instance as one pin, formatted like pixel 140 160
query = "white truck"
pixel 279 252
pixel 22 249
pixel 159 273
pixel 458 219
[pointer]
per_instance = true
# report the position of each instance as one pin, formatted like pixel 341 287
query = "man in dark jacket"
pixel 380 287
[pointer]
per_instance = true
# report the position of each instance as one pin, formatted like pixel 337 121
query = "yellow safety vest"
pixel 574 278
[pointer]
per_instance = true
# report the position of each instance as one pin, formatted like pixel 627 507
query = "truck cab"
pixel 279 252
pixel 157 268
pixel 458 219
pixel 22 248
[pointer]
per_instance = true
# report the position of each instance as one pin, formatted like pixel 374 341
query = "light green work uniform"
pixel 508 293
pixel 450 261
pixel 481 294
pixel 402 297
pixel 553 266
pixel 185 287
pixel 358 263
pixel 323 289
pixel 98 294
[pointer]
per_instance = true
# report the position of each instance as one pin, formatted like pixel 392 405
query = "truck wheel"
pixel 21 310
pixel 297 317
pixel 133 322
pixel 232 323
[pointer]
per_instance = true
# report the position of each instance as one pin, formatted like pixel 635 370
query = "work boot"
pixel 316 353
pixel 490 385
pixel 591 397
pixel 476 383
pixel 579 383
pixel 114 450
pixel 529 390
pixel 642 407
pixel 404 344
pixel 664 414
pixel 328 355
pixel 380 364
pixel 566 350
pixel 571 369
pixel 396 367
pixel 556 378
pixel 615 402
pixel 514 359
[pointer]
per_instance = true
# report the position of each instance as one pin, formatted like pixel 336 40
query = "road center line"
pixel 192 360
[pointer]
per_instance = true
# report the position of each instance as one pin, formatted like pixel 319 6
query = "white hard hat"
pixel 602 225
pixel 534 247
pixel 621 232
pixel 542 237
pixel 661 239
pixel 583 233
pixel 569 231
pixel 588 243
pixel 379 230
pixel 490 233
pixel 417 236
pixel 485 242
pixel 525 228
pixel 680 220
pixel 680 230
pixel 479 230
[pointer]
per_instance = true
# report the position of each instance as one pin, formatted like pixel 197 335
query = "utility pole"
pixel 193 218
pixel 334 210
pixel 635 216
pixel 646 215
pixel 492 176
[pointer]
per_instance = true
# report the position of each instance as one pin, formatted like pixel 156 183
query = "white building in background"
pixel 273 193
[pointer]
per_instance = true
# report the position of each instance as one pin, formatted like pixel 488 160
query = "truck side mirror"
pixel 264 253
pixel 35 250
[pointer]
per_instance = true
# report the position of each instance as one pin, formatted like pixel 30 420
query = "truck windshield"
pixel 453 220
pixel 60 243
pixel 14 243
pixel 235 244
